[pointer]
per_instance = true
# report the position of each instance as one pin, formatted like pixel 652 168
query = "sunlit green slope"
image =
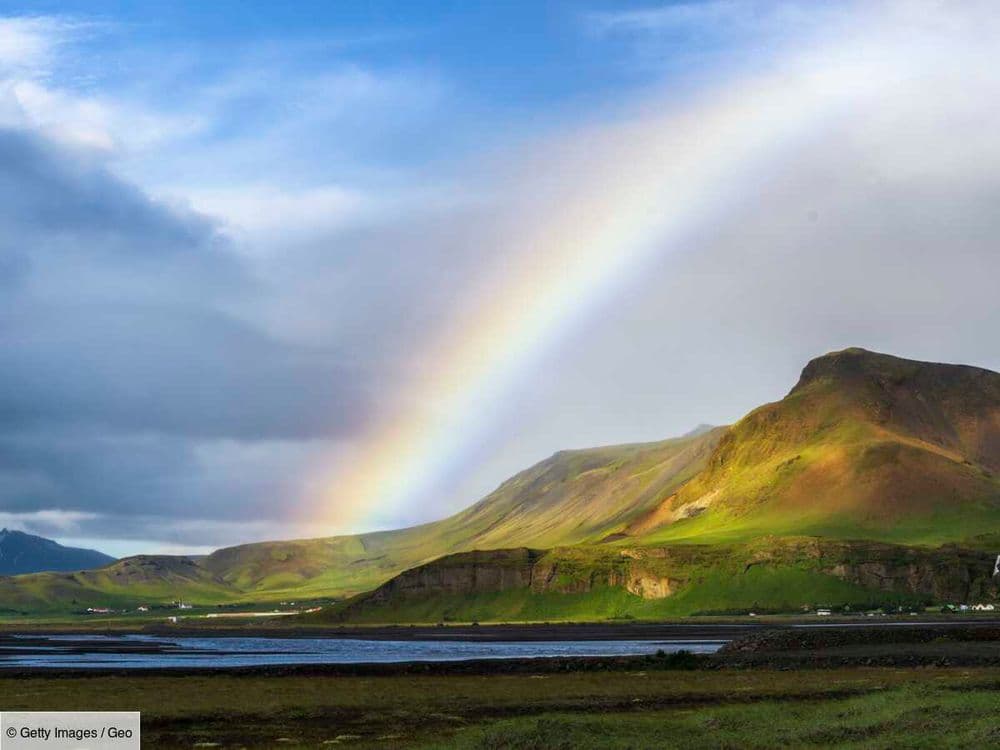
pixel 130 582
pixel 573 496
pixel 866 446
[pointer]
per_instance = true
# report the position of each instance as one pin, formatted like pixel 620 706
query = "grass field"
pixel 844 708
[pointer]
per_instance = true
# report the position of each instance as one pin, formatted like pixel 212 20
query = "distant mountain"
pixel 865 446
pixel 26 553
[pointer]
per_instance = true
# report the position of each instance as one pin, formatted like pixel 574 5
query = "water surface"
pixel 154 652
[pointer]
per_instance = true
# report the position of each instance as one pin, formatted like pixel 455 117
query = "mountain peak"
pixel 853 363
pixel 856 365
pixel 21 552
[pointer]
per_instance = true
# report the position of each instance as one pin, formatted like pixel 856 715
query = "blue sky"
pixel 239 238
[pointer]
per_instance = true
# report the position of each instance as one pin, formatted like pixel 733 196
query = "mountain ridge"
pixel 862 442
pixel 570 497
pixel 21 552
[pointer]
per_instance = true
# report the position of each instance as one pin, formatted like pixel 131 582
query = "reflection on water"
pixel 143 651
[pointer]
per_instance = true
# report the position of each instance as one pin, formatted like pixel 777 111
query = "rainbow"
pixel 638 190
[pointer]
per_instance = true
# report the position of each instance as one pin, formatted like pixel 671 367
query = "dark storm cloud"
pixel 127 385
pixel 118 476
pixel 115 316
pixel 53 194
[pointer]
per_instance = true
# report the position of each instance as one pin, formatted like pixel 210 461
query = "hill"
pixel 572 497
pixel 27 553
pixel 865 446
pixel 587 583
pixel 128 582
pixel 840 493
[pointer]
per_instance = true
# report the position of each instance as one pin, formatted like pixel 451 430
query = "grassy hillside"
pixel 127 583
pixel 587 583
pixel 572 497
pixel 865 446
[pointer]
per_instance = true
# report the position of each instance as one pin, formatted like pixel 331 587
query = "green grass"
pixel 909 717
pixel 943 525
pixel 841 708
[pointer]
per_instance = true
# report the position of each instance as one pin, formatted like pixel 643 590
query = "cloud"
pixel 116 315
pixel 28 44
pixel 124 373
pixel 706 17
pixel 152 383
pixel 32 50
pixel 262 214
pixel 703 38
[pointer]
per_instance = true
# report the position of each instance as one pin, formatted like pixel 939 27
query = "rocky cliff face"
pixel 561 571
pixel 942 575
pixel 945 574
pixel 464 573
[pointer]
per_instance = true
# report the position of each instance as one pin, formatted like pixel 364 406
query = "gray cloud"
pixel 116 316
pixel 124 371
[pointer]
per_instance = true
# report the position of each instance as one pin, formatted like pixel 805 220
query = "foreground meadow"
pixel 645 708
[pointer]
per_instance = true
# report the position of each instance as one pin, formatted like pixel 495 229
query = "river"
pixel 156 652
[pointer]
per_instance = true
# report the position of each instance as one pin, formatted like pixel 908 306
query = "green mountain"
pixel 129 582
pixel 837 494
pixel 572 497
pixel 865 446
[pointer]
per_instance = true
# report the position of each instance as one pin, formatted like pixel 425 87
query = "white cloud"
pixel 711 18
pixel 28 44
pixel 40 91
pixel 49 521
pixel 261 213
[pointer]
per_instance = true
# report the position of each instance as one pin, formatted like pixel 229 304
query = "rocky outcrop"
pixel 943 574
pixel 464 573
pixel 560 571
pixel 947 574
